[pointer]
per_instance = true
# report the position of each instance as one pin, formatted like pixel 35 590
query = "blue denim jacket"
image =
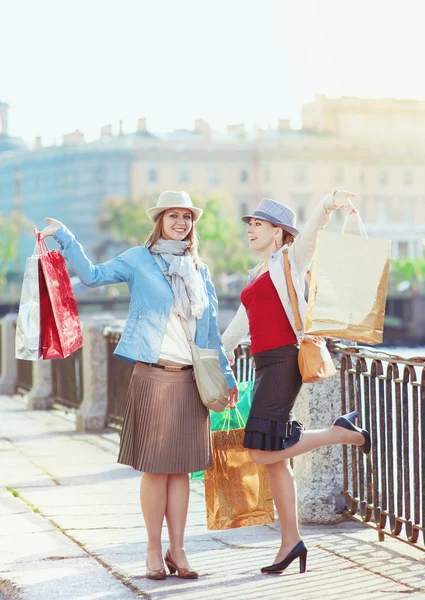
pixel 151 298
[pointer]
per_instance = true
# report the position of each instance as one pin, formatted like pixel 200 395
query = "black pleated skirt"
pixel 271 423
pixel 166 428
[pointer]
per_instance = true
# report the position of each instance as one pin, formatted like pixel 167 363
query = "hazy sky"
pixel 80 64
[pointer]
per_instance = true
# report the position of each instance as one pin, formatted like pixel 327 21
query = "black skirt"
pixel 271 424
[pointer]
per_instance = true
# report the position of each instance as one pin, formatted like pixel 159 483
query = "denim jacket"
pixel 151 298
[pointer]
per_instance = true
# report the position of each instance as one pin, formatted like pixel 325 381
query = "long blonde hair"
pixel 192 238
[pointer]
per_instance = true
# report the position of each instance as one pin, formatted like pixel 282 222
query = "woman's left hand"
pixel 233 394
pixel 342 199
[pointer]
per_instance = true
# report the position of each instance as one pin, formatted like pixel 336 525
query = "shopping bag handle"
pixel 226 422
pixel 360 222
pixel 41 245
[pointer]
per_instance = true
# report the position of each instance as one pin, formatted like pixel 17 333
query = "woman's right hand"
pixel 50 229
pixel 342 199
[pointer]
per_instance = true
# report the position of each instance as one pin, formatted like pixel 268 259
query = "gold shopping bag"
pixel 237 491
pixel 348 289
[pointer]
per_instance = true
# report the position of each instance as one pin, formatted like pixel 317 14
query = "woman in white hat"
pixel 166 428
pixel 272 434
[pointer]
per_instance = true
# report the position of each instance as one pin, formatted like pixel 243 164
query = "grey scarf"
pixel 190 297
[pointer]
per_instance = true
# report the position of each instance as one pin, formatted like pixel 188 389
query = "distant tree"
pixel 10 234
pixel 222 243
pixel 124 221
pixel 408 270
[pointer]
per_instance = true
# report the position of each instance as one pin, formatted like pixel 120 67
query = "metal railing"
pixel 243 368
pixel 119 375
pixel 67 380
pixel 23 376
pixel 386 490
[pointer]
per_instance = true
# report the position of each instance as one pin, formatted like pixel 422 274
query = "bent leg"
pixel 311 440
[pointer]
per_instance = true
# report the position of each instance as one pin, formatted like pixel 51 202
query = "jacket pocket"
pixel 133 321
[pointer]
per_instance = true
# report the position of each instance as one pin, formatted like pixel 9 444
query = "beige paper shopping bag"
pixel 348 289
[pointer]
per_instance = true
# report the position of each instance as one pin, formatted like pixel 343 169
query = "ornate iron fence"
pixel 119 374
pixel 243 368
pixel 23 376
pixel 386 490
pixel 67 380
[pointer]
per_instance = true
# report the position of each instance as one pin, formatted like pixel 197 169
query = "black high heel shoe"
pixel 300 551
pixel 346 421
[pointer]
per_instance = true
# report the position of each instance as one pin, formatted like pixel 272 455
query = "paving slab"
pixel 71 528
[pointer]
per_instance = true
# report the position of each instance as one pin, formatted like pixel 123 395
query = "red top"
pixel 268 324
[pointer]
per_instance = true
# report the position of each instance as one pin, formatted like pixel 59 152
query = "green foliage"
pixel 10 233
pixel 222 244
pixel 412 270
pixel 125 220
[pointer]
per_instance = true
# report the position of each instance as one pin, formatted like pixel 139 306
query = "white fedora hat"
pixel 170 199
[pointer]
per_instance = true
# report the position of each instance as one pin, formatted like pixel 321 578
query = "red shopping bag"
pixel 60 328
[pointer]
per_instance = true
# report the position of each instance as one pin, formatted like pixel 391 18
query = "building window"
pixel 300 174
pixel 338 175
pixel 243 176
pixel 213 176
pixel 300 213
pixel 403 250
pixel 152 175
pixel 383 178
pixel 407 209
pixel 243 209
pixel 184 176
pixel 407 178
pixel 382 211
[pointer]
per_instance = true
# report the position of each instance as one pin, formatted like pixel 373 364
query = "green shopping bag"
pixel 231 418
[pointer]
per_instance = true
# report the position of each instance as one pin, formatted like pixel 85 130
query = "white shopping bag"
pixel 27 341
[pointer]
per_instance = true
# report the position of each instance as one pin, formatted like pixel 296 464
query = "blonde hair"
pixel 192 238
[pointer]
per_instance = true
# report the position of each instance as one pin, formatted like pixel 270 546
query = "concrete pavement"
pixel 71 528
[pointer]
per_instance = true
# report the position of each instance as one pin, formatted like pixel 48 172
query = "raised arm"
pixel 302 249
pixel 117 270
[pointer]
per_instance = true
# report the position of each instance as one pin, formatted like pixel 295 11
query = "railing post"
pixel 92 413
pixel 8 367
pixel 40 396
pixel 319 474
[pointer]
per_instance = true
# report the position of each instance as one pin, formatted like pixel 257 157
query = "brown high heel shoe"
pixel 157 574
pixel 182 573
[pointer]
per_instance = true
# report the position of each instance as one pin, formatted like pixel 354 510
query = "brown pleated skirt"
pixel 166 428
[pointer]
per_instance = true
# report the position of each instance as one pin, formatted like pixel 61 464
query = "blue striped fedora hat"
pixel 276 213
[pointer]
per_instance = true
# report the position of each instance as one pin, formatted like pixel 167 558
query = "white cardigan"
pixel 300 255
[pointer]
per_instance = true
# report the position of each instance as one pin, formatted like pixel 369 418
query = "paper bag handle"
pixel 360 222
pixel 40 246
pixel 227 418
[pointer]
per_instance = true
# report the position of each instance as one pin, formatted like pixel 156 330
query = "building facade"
pixel 371 147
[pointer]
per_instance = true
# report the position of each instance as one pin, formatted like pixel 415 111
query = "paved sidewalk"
pixel 71 529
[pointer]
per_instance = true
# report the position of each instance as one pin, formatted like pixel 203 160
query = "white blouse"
pixel 175 346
